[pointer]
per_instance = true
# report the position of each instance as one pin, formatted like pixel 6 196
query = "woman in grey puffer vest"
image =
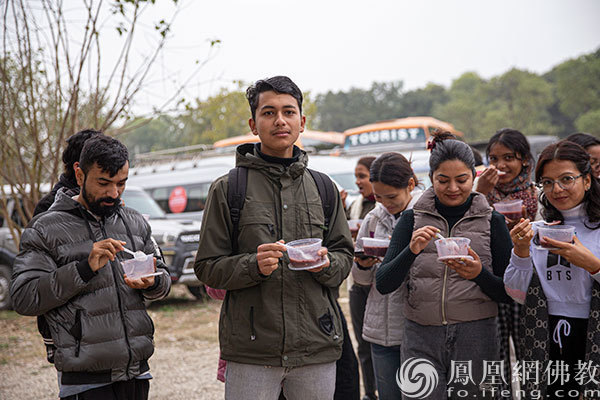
pixel 394 184
pixel 450 307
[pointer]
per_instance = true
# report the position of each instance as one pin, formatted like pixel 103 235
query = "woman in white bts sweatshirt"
pixel 560 287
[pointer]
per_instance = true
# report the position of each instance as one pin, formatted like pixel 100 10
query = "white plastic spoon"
pixel 138 255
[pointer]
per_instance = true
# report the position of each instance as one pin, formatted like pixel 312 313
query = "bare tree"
pixel 58 77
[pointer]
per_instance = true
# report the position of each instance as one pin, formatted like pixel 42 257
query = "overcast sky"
pixel 334 45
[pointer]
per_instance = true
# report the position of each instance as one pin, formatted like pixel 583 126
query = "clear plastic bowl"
pixel 452 247
pixel 562 233
pixel 354 225
pixel 511 209
pixel 135 268
pixel 303 254
pixel 375 247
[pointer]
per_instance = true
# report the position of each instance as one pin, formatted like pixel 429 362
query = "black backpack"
pixel 236 195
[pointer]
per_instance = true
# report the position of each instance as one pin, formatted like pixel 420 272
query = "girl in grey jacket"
pixel 394 184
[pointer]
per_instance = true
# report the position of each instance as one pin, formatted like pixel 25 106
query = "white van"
pixel 180 188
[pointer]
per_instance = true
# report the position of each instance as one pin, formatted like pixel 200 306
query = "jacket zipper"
pixel 78 339
pixel 120 307
pixel 252 330
pixel 279 230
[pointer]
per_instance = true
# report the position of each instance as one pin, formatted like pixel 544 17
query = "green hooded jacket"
pixel 289 318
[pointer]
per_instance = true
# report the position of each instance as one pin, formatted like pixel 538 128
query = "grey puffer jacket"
pixel 384 316
pixel 99 324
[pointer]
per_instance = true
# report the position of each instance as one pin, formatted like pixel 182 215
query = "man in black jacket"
pixel 70 157
pixel 70 269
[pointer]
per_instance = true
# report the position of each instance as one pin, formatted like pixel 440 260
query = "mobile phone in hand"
pixel 362 255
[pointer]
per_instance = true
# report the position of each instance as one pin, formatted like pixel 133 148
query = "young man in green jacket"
pixel 279 329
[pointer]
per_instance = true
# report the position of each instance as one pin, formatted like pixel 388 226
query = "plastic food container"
pixel 303 254
pixel 375 247
pixel 562 233
pixel 453 248
pixel 511 209
pixel 354 225
pixel 138 268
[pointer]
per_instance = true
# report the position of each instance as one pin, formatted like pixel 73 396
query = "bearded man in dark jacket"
pixel 70 158
pixel 69 270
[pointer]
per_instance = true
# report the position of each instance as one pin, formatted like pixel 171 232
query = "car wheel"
pixel 198 292
pixel 5 274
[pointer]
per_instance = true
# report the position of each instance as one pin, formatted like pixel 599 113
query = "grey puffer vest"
pixel 99 324
pixel 384 319
pixel 437 295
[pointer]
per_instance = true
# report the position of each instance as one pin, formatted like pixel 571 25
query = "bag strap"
pixel 326 193
pixel 236 195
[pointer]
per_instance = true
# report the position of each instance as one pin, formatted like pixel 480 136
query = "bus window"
pixel 161 196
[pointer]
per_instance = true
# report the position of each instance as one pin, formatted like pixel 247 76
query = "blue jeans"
pixel 386 361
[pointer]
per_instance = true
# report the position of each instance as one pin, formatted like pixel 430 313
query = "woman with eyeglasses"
pixel 509 177
pixel 558 282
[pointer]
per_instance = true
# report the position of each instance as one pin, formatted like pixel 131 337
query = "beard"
pixel 95 205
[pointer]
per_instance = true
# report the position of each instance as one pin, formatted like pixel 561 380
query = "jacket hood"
pixel 64 200
pixel 246 156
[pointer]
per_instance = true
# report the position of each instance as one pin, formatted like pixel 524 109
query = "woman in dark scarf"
pixel 509 177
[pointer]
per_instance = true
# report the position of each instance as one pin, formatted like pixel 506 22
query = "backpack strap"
pixel 236 195
pixel 326 193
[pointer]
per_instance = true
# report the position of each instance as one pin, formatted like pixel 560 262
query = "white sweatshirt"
pixel 568 288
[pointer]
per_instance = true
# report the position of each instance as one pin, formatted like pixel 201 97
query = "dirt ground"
pixel 184 364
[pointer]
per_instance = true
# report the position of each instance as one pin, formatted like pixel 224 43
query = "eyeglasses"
pixel 565 183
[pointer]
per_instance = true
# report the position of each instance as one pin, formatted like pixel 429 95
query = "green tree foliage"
pixel 342 110
pixel 553 103
pixel 578 85
pixel 520 100
pixel 162 132
pixel 220 116
pixel 422 101
pixel 464 108
pixel 589 122
pixel 517 99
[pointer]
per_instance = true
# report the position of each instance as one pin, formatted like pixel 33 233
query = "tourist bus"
pixel 396 134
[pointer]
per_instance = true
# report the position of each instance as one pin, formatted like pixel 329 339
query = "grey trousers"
pixel 260 382
pixel 474 341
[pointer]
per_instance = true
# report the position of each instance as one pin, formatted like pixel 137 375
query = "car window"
pixel 142 203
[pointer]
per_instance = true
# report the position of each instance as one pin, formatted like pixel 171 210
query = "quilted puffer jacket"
pixel 99 324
